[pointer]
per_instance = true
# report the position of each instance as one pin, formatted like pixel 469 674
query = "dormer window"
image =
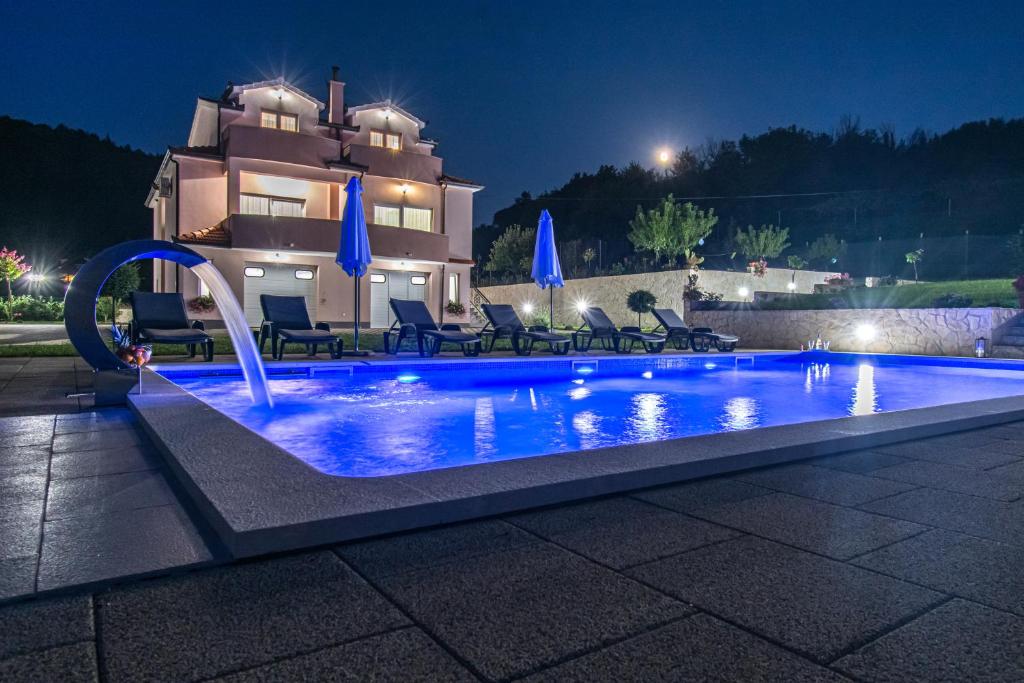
pixel 380 138
pixel 279 120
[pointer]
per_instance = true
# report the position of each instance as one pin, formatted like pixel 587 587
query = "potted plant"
pixel 641 301
pixel 202 304
pixel 455 308
pixel 1018 285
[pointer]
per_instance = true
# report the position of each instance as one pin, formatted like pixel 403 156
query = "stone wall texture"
pixel 609 292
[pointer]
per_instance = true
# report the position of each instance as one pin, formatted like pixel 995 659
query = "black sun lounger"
pixel 161 319
pixel 676 331
pixel 286 321
pixel 703 338
pixel 600 327
pixel 413 320
pixel 503 323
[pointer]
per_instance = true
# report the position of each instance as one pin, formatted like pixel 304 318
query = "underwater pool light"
pixel 647 375
pixel 407 378
pixel 585 370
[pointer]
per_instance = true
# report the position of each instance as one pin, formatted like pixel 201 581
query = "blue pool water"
pixel 377 419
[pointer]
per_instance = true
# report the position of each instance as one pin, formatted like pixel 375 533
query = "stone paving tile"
pixel 509 613
pixel 1014 447
pixel 22 487
pixel 17 425
pixel 858 462
pixel 95 420
pixel 221 620
pixel 96 440
pixel 823 528
pixel 37 435
pixel 107 493
pixel 621 532
pixel 82 550
pixel 17 577
pixel 958 641
pixel 42 624
pixel 1012 431
pixel 929 449
pixel 831 486
pixel 405 655
pixel 18 513
pixel 1013 472
pixel 986 484
pixel 698 494
pixel 409 552
pixel 68 664
pixel 978 569
pixel 699 648
pixel 103 462
pixel 19 538
pixel 816 606
pixel 24 460
pixel 983 517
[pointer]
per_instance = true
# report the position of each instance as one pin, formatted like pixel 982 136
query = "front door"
pixel 393 284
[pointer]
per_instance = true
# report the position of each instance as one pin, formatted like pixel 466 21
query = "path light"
pixel 791 286
pixel 743 292
pixel 980 347
pixel 527 308
pixel 865 332
pixel 581 306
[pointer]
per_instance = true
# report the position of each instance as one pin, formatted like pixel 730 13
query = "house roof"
pixel 388 104
pixel 456 180
pixel 210 152
pixel 217 236
pixel 237 90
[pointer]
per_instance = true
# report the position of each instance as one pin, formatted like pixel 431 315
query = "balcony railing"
pixel 389 163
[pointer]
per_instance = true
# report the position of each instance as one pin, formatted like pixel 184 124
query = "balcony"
pixel 278 233
pixel 277 145
pixel 421 168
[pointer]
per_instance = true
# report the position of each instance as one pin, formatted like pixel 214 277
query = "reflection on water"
pixel 864 396
pixel 372 424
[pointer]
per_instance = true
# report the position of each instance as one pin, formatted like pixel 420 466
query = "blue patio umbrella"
pixel 547 271
pixel 354 248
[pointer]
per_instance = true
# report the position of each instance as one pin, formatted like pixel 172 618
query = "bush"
pixel 641 301
pixel 952 300
pixel 455 308
pixel 39 308
pixel 202 304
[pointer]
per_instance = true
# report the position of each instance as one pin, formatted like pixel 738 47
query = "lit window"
pixel 261 205
pixel 393 141
pixel 376 138
pixel 387 215
pixel 252 271
pixel 203 289
pixel 292 208
pixel 279 120
pixel 303 274
pixel 419 219
pixel 453 287
pixel 418 280
pixel 378 278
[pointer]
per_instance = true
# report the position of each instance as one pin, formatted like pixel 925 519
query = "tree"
pixel 826 250
pixel 670 229
pixel 589 255
pixel 512 252
pixel 641 301
pixel 796 262
pixel 762 243
pixel 913 258
pixel 120 284
pixel 12 267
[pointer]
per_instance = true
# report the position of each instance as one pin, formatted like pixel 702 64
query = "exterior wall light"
pixel 743 292
pixel 404 188
pixel 791 286
pixel 865 332
pixel 980 347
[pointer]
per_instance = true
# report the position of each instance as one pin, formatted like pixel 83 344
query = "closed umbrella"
pixel 354 248
pixel 547 271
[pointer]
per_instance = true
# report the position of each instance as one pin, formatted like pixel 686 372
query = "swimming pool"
pixel 379 419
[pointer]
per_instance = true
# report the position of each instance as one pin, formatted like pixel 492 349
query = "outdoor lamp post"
pixel 980 347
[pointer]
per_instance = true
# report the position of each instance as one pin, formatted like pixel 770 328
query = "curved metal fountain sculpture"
pixel 85 288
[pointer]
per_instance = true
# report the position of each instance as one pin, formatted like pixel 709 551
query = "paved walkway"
pixel 32 333
pixel 892 565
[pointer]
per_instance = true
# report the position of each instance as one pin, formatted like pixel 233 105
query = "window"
pixel 260 205
pixel 453 288
pixel 376 138
pixel 418 219
pixel 303 274
pixel 418 280
pixel 378 278
pixel 203 289
pixel 252 271
pixel 279 120
pixel 393 141
pixel 387 215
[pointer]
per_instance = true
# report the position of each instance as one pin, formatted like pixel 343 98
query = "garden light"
pixel 865 332
pixel 527 308
pixel 581 306
pixel 743 292
pixel 791 286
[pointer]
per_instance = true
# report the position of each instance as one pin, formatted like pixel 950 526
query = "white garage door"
pixel 390 284
pixel 282 279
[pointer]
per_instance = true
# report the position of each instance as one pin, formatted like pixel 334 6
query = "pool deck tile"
pixel 959 641
pixel 21 487
pixel 38 625
pixel 830 530
pixel 106 494
pixel 96 440
pixel 811 604
pixel 974 482
pixel 19 538
pixel 103 462
pixel 17 576
pixel 972 515
pixel 934 450
pixel 699 648
pixel 511 612
pixel 858 462
pixel 829 485
pixel 23 460
pixel 74 663
pixel 697 494
pixel 621 532
pixel 230 618
pixel 974 568
pixel 117 545
pixel 96 420
pixel 403 655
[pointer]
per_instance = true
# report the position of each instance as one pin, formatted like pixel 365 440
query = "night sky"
pixel 521 95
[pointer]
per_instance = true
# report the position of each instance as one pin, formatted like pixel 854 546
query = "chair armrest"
pixel 451 327
pixel 322 326
pixel 537 328
pixel 198 325
pixel 630 328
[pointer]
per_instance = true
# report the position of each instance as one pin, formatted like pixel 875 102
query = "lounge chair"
pixel 161 319
pixel 703 338
pixel 503 323
pixel 601 327
pixel 285 321
pixel 413 320
pixel 676 331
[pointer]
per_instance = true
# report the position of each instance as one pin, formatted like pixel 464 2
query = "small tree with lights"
pixel 641 301
pixel 118 286
pixel 913 258
pixel 670 229
pixel 12 267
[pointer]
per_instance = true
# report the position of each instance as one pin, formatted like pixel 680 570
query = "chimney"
pixel 336 101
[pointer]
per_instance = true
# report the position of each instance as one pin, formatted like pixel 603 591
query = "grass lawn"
pixel 922 295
